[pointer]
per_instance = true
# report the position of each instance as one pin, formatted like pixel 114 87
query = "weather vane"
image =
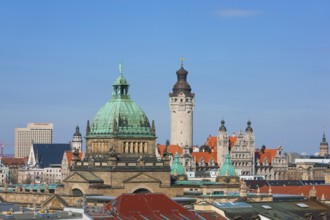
pixel 182 59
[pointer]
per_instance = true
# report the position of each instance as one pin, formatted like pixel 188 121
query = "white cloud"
pixel 237 13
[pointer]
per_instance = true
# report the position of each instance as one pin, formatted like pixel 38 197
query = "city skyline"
pixel 267 62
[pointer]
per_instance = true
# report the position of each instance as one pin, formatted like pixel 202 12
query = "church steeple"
pixel 324 148
pixel 324 140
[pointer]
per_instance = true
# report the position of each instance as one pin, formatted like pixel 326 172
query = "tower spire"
pixel 324 147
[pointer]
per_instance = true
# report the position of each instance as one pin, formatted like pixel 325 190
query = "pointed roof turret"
pixel 176 167
pixel 88 128
pixel 227 168
pixel 77 133
pixel 324 140
pixel 181 84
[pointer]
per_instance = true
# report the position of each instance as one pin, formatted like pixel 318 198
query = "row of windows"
pixel 240 164
pixel 100 147
pixel 135 147
pixel 54 171
pixel 182 99
pixel 240 156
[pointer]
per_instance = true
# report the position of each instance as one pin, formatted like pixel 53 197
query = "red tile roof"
pixel 150 206
pixel 69 156
pixel 298 190
pixel 232 141
pixel 268 153
pixel 205 155
pixel 171 149
pixel 9 161
pixel 211 141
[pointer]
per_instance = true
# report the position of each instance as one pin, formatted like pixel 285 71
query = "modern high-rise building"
pixel 38 133
pixel 182 102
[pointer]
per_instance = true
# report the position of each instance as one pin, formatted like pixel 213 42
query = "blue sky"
pixel 267 61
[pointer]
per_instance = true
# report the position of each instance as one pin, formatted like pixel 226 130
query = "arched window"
pixel 77 192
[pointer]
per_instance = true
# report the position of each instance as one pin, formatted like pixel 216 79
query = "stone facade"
pixel 240 147
pixel 327 175
pixel 307 171
pixel 272 163
pixel 118 181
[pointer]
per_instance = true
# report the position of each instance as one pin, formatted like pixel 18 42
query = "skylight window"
pixel 302 205
pixel 183 217
pixel 164 217
pixel 266 207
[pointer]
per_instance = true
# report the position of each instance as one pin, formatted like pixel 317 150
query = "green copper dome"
pixel 120 116
pixel 227 168
pixel 176 167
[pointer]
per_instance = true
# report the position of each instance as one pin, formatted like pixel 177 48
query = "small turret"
pixel 88 128
pixel 249 128
pixel 177 170
pixel 223 127
pixel 76 143
pixel 153 129
pixel 227 172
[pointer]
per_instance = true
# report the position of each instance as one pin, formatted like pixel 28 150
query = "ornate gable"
pixel 142 178
pixel 76 178
pixel 55 202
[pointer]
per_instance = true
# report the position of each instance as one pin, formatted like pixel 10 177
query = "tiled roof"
pixel 47 154
pixel 232 141
pixel 148 206
pixel 211 141
pixel 205 155
pixel 298 190
pixel 8 161
pixel 284 182
pixel 254 184
pixel 291 210
pixel 171 149
pixel 69 156
pixel 268 153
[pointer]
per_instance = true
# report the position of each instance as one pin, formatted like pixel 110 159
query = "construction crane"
pixel 2 146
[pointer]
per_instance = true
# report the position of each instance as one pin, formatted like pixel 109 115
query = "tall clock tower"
pixel 182 107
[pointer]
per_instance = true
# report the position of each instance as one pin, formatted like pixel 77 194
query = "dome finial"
pixel 121 68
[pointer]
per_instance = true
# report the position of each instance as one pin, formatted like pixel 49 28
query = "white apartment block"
pixel 38 133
